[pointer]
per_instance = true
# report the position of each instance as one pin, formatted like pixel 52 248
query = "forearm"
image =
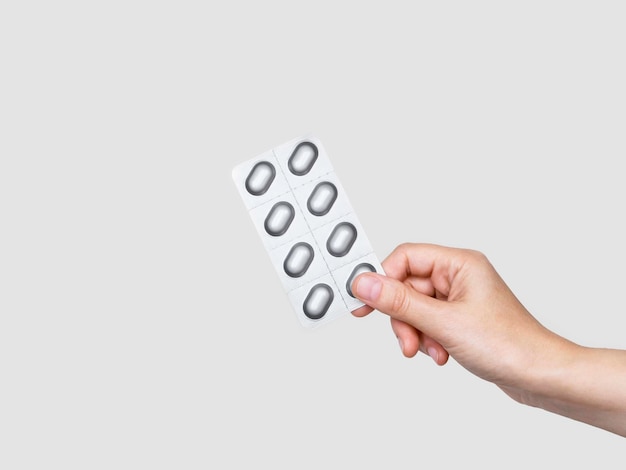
pixel 585 384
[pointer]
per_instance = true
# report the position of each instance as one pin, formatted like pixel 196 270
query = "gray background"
pixel 141 322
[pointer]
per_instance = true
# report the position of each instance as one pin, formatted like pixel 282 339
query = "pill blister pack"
pixel 308 227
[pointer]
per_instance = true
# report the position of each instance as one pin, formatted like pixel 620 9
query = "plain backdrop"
pixel 141 322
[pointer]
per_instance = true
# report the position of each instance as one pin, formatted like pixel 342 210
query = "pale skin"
pixel 451 302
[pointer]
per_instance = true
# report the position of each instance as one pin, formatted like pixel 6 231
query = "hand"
pixel 452 301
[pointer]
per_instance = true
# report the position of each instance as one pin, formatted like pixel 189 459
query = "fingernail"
pixel 368 288
pixel 401 345
pixel 432 352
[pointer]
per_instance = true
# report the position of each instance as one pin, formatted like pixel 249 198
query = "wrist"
pixel 546 371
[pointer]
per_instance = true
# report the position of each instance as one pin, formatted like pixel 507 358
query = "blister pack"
pixel 308 227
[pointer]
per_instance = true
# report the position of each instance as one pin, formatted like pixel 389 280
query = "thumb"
pixel 397 300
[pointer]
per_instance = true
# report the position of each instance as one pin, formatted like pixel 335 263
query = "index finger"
pixel 419 260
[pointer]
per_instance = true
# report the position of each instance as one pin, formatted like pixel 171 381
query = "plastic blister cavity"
pixel 260 178
pixel 308 227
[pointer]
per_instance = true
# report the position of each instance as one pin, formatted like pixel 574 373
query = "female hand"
pixel 452 301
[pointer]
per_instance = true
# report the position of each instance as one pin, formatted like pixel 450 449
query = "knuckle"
pixel 404 248
pixel 400 301
pixel 477 257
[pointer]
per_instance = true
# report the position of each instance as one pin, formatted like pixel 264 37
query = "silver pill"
pixel 302 158
pixel 358 269
pixel 318 301
pixel 279 218
pixel 298 259
pixel 260 178
pixel 322 198
pixel 341 239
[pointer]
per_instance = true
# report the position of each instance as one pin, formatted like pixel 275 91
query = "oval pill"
pixel 260 178
pixel 298 259
pixel 302 158
pixel 318 301
pixel 322 198
pixel 341 239
pixel 279 218
pixel 358 269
